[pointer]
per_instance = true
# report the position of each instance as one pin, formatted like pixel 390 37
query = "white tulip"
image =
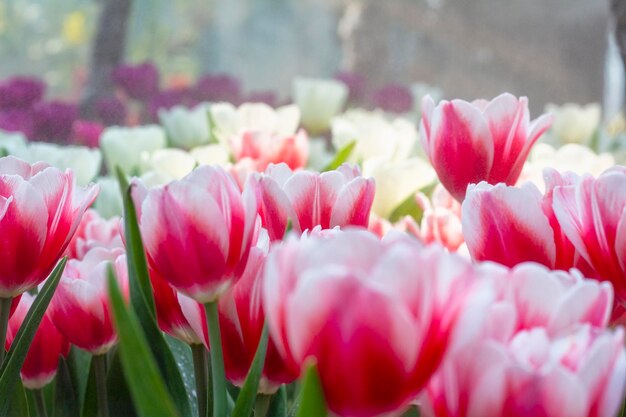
pixel 319 155
pixel 109 202
pixel 573 123
pixel 396 181
pixel 12 141
pixel 125 146
pixel 319 101
pixel 375 135
pixel 213 154
pixel 84 161
pixel 572 157
pixel 165 165
pixel 185 127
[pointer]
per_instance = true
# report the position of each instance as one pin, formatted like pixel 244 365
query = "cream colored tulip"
pixel 574 123
pixel 125 146
pixel 186 128
pixel 109 202
pixel 319 101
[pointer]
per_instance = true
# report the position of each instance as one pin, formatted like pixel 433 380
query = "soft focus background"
pixel 550 50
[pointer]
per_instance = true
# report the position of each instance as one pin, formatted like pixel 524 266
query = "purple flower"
pixel 17 121
pixel 356 84
pixel 111 110
pixel 86 133
pixel 218 87
pixel 21 93
pixel 140 82
pixel 393 98
pixel 52 120
pixel 169 98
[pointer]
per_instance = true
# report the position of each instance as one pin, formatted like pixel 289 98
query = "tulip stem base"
pixel 40 402
pixel 99 364
pixel 262 405
pixel 5 311
pixel 200 370
pixel 220 404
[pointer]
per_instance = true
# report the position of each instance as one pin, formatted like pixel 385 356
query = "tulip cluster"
pixel 379 277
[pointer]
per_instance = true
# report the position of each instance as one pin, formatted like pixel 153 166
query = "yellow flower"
pixel 74 28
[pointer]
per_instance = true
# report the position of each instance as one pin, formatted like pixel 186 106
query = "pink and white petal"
pixel 276 209
pixel 507 225
pixel 303 192
pixel 588 302
pixel 353 204
pixel 563 395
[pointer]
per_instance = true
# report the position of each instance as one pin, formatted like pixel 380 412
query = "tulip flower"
pixel 340 197
pixel 95 231
pixel 511 225
pixel 319 101
pixel 578 374
pixel 47 347
pixel 140 82
pixel 21 92
pixel 83 161
pixel 481 141
pixel 165 165
pixel 124 147
pixel 41 209
pixel 211 226
pixel 375 316
pixel 109 202
pixel 592 214
pixel 186 128
pixel 441 219
pixel 53 120
pixel 80 307
pixel 574 123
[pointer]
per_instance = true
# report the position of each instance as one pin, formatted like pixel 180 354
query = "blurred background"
pixel 550 50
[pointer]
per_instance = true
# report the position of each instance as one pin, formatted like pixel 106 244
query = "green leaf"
pixel 312 401
pixel 137 264
pixel 412 411
pixel 19 403
pixel 408 207
pixel 247 395
pixel 342 156
pixel 145 383
pixel 142 302
pixel 10 371
pixel 78 363
pixel 278 406
pixel 119 397
pixel 65 393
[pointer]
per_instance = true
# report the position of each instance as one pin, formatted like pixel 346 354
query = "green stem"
pixel 262 405
pixel 99 364
pixel 5 311
pixel 200 370
pixel 40 402
pixel 220 405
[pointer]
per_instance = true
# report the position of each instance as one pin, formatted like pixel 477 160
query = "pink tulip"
pixel 578 374
pixel 95 231
pixel 441 219
pixel 340 197
pixel 241 319
pixel 264 149
pixel 210 228
pixel 169 309
pixel 40 209
pixel 375 316
pixel 44 352
pixel 592 214
pixel 530 295
pixel 80 307
pixel 481 141
pixel 510 225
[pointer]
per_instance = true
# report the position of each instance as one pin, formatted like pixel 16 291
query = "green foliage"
pixel 10 371
pixel 145 383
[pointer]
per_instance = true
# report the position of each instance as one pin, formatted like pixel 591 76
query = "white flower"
pixel 230 122
pixel 165 165
pixel 574 123
pixel 572 157
pixel 125 146
pixel 11 141
pixel 396 181
pixel 319 155
pixel 185 127
pixel 213 154
pixel 319 101
pixel 84 161
pixel 109 202
pixel 375 135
